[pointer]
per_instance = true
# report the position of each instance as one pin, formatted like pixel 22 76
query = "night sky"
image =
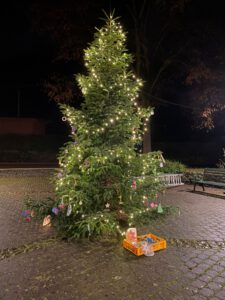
pixel 27 61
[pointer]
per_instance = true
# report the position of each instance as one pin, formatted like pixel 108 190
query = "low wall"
pixel 22 126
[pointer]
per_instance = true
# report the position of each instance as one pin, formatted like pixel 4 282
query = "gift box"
pixel 136 247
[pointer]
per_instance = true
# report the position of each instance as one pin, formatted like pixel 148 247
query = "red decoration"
pixel 134 185
pixel 61 206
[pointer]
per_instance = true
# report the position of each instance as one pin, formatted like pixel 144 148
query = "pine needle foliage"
pixel 104 181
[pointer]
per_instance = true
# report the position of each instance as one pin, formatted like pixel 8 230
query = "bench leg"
pixel 194 187
pixel 203 187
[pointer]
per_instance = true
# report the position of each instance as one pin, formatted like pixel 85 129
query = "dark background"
pixel 27 59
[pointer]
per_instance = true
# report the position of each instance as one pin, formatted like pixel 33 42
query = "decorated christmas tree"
pixel 105 184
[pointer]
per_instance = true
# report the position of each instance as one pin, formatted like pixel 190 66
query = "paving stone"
pixel 218 268
pixel 198 270
pixel 191 275
pixel 206 292
pixel 205 278
pixel 222 263
pixel 214 286
pixel 198 297
pixel 221 294
pixel 198 283
pixel 212 273
pixel 220 280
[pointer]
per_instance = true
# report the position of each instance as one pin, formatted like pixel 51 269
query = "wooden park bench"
pixel 211 177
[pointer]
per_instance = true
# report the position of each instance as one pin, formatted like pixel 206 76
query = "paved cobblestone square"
pixel 33 265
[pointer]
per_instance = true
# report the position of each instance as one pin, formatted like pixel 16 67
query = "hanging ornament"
pixel 120 202
pixel 152 204
pixel 32 213
pixel 86 162
pixel 146 203
pixel 64 119
pixel 161 164
pixel 69 210
pixel 73 129
pixel 61 206
pixel 160 209
pixel 55 210
pixel 134 185
pixel 47 221
pixel 107 205
pixel 59 175
pixel 25 213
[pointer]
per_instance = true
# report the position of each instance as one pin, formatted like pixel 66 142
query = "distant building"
pixel 22 126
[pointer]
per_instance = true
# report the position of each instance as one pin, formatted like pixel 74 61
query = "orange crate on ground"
pixel 158 245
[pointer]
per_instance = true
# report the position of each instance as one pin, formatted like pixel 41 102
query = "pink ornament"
pixel 134 185
pixel 152 205
pixel 61 206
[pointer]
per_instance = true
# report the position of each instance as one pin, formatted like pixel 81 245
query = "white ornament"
pixel 69 210
pixel 107 205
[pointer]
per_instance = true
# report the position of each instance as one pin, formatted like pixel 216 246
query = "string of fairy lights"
pixel 73 117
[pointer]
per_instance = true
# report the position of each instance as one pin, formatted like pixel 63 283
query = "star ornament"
pixel 107 205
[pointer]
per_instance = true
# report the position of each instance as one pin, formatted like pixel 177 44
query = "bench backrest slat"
pixel 217 175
